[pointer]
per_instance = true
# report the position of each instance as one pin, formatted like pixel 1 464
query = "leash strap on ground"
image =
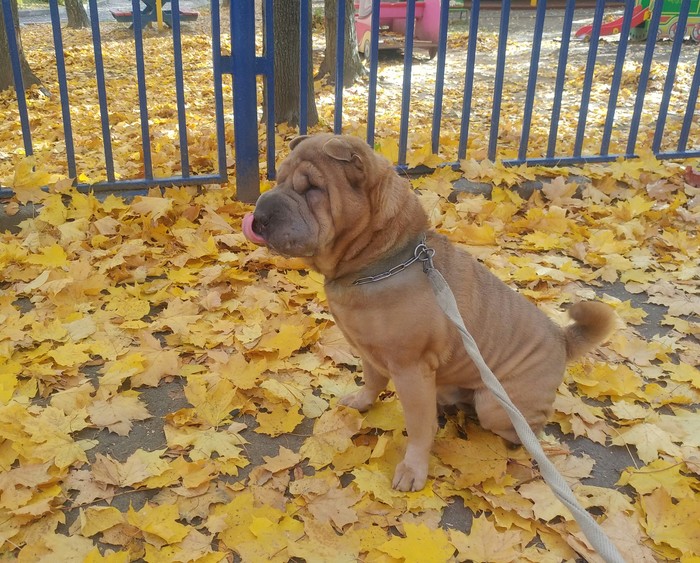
pixel 552 477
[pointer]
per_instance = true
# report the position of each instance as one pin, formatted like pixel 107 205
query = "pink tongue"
pixel 251 235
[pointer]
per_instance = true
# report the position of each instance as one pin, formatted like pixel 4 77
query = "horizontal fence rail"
pixel 546 86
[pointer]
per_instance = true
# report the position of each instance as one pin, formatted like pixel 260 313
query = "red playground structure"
pixel 668 24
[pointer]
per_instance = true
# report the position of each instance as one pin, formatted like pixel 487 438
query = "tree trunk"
pixel 352 64
pixel 6 77
pixel 285 14
pixel 77 16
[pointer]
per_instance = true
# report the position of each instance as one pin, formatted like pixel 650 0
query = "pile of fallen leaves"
pixel 169 392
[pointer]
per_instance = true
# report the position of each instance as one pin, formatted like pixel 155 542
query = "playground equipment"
pixel 154 12
pixel 668 24
pixel 392 25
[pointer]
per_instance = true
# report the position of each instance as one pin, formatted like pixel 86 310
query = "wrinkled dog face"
pixel 298 217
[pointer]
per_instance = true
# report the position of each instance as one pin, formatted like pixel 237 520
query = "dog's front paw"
pixel 410 476
pixel 360 400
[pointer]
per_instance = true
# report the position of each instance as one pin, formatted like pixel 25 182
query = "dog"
pixel 344 210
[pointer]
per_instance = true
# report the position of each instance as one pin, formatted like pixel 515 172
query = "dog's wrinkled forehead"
pixel 339 148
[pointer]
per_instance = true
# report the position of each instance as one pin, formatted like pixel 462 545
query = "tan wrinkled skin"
pixel 358 213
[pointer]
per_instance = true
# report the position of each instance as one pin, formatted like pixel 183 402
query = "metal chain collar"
pixel 422 253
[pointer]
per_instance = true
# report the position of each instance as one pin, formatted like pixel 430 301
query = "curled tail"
pixel 594 322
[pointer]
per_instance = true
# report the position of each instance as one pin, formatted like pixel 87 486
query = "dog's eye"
pixel 313 194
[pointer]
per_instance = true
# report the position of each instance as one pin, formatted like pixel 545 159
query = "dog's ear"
pixel 296 140
pixel 339 149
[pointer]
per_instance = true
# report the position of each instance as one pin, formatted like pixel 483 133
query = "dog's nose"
pixel 262 216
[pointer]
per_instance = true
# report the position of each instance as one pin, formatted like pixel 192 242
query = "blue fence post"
pixel 532 79
pixel 63 87
pixel 304 50
pixel 561 77
pixel 406 90
pixel 469 80
pixel 617 77
pixel 339 68
pixel 245 113
pixel 670 75
pixel 217 66
pixel 267 69
pixel 588 77
pixel 499 79
pixel 440 75
pixel 17 75
pixel 373 67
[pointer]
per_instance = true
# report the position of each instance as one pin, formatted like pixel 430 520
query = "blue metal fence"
pixel 618 137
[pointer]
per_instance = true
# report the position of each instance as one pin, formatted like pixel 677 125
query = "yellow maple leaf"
pixel 659 474
pixel 282 420
pixel 479 235
pixel 485 542
pixel 420 543
pixel 481 457
pixel 204 442
pixel 51 256
pixel 117 412
pixel 9 371
pixel 649 440
pixel 212 403
pixel 155 207
pixel 673 522
pixel 53 210
pixel 389 149
pixel 96 519
pixel 28 177
pixel 161 521
pixel 286 341
pixel 332 434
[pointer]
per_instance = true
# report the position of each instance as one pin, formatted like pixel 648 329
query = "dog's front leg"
pixel 374 383
pixel 416 389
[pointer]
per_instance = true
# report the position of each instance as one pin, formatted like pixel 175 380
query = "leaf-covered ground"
pixel 169 392
pixel 103 301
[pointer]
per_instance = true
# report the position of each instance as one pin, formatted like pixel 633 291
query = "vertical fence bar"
pixel 440 74
pixel 617 76
pixel 498 81
pixel 588 77
pixel 469 79
pixel 690 107
pixel 653 30
pixel 180 89
pixel 339 68
pixel 143 101
pixel 532 78
pixel 407 68
pixel 561 76
pixel 303 66
pixel 17 76
pixel 670 75
pixel 269 80
pixel 218 89
pixel 373 65
pixel 101 87
pixel 245 115
pixel 63 87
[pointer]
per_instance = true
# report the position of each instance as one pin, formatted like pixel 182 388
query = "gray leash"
pixel 552 477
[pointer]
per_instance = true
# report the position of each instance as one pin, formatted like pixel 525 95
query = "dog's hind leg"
pixel 492 416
